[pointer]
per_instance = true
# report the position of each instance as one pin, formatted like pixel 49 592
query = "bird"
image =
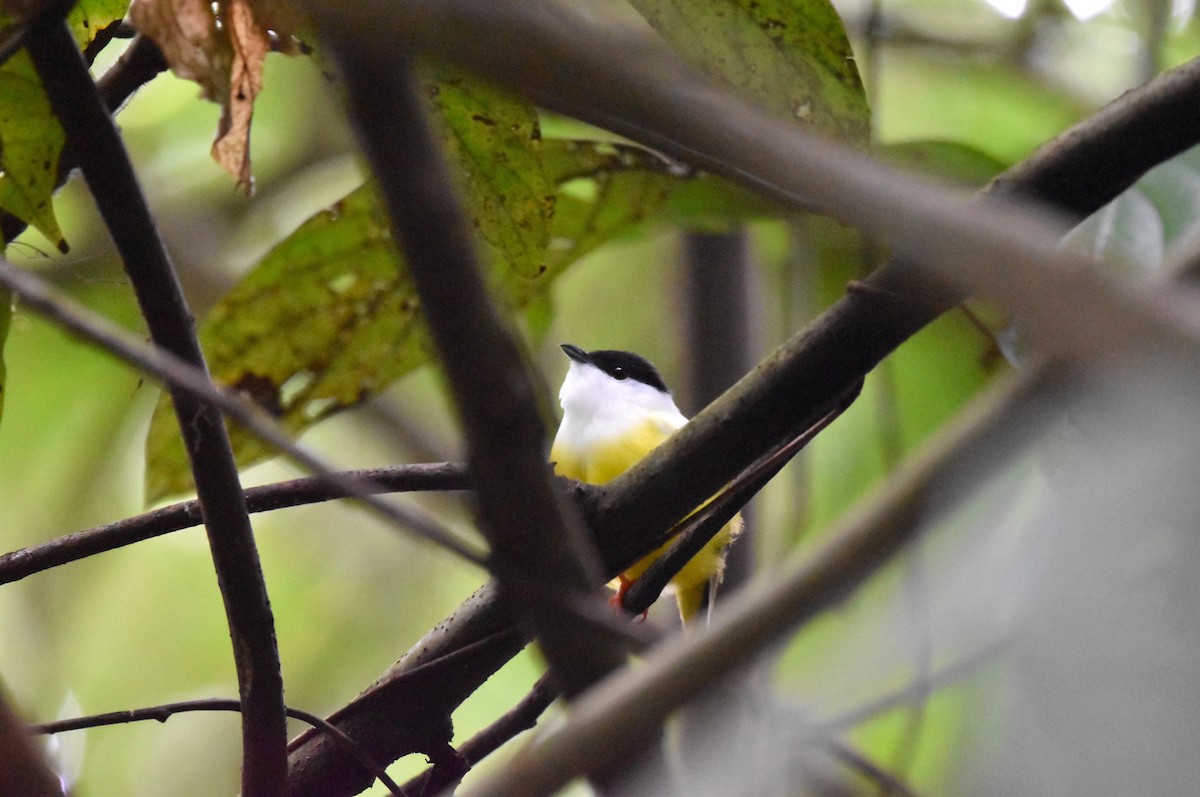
pixel 616 409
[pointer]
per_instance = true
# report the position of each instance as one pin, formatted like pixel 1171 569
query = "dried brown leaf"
pixel 221 46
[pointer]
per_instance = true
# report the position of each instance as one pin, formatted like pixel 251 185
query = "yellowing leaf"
pixel 31 138
pixel 88 17
pixel 791 56
pixel 221 46
pixel 495 144
pixel 328 317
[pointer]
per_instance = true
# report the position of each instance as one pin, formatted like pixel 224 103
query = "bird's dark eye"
pixel 618 373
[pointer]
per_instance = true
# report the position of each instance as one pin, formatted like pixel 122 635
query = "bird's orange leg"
pixel 617 601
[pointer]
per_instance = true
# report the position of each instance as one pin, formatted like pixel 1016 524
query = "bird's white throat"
pixel 597 407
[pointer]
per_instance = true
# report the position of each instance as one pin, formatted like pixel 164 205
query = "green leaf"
pixel 791 56
pixel 325 319
pixel 604 190
pixel 88 17
pixel 329 317
pixel 494 141
pixel 959 162
pixel 31 138
pixel 1005 112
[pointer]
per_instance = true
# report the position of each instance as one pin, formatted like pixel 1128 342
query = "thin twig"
pixel 917 689
pixel 186 514
pixel 111 179
pixel 166 711
pixel 887 782
pixel 35 294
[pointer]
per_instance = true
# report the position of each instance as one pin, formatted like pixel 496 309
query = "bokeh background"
pixel 144 625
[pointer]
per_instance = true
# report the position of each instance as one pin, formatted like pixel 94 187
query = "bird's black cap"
pixel 619 365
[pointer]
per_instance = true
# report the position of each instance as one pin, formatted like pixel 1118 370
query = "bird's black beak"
pixel 575 353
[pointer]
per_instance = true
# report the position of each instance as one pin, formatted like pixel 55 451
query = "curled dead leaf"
pixel 221 46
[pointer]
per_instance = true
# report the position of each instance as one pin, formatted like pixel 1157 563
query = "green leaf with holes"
pixel 790 56
pixel 494 142
pixel 329 317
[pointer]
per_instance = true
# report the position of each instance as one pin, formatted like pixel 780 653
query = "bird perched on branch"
pixel 616 409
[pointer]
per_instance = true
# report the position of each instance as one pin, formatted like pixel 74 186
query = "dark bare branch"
pixel 140 63
pixel 106 165
pixel 1089 164
pixel 186 514
pixel 521 717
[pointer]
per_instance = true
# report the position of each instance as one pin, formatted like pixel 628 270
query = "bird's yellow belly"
pixel 603 462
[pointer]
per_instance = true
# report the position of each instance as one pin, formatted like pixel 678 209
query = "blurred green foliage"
pixel 958 88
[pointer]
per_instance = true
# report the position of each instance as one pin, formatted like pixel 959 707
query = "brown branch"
pixel 538 545
pixel 533 536
pixel 417 697
pixel 521 717
pixel 166 711
pixel 186 514
pixel 1089 164
pixel 105 163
